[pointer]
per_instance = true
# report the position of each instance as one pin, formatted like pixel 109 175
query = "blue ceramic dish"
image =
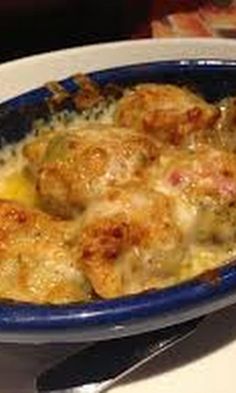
pixel 101 320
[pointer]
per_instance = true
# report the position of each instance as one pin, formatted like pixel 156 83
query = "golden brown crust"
pixel 37 263
pixel 168 112
pixel 78 167
pixel 89 93
pixel 146 207
pixel 130 244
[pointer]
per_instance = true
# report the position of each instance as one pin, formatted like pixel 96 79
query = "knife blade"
pixel 96 368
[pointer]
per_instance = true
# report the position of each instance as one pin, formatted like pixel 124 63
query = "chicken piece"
pixel 130 243
pixel 37 263
pixel 78 167
pixel 202 174
pixel 172 114
pixel 204 184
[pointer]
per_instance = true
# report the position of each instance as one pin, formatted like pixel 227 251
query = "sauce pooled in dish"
pixel 138 195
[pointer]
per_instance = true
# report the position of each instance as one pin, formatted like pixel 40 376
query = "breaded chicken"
pixel 203 182
pixel 78 167
pixel 130 243
pixel 148 211
pixel 37 263
pixel 204 173
pixel 172 114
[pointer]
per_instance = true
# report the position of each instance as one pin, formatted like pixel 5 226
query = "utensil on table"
pixel 98 367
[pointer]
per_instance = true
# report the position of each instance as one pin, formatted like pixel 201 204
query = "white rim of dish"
pixel 24 74
pixel 20 75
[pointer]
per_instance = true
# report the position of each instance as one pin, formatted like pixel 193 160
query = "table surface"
pixel 204 362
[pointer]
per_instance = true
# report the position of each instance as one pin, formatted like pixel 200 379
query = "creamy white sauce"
pixel 198 258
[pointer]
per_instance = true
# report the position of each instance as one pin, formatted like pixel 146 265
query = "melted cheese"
pixel 16 184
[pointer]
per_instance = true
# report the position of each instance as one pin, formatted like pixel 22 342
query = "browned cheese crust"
pixel 130 243
pixel 172 114
pixel 78 167
pixel 206 178
pixel 145 203
pixel 37 263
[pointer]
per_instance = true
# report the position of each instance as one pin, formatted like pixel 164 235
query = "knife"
pixel 96 368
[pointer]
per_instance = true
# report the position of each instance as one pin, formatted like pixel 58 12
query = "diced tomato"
pixel 176 178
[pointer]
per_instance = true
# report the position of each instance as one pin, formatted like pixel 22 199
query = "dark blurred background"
pixel 33 26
